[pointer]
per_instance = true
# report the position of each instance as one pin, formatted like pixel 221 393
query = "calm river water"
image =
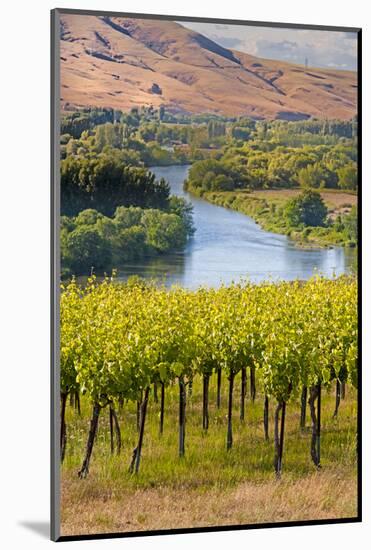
pixel 228 245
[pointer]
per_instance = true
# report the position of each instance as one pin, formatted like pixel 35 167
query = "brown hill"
pixel 121 63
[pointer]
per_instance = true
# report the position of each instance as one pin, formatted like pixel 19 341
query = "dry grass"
pixel 333 199
pixel 210 485
pixel 320 495
pixel 192 78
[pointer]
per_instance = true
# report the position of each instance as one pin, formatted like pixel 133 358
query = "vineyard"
pixel 123 345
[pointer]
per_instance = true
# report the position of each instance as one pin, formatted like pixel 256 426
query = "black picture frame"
pixel 55 275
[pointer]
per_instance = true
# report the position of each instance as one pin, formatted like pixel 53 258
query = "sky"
pixel 322 49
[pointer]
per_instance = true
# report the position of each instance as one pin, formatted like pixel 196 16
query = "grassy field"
pixel 334 199
pixel 266 208
pixel 210 485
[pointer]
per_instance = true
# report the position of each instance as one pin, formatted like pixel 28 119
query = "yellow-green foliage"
pixel 117 339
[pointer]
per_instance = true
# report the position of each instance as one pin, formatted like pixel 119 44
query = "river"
pixel 228 246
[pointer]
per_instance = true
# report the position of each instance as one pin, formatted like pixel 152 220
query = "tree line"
pixel 91 240
pixel 264 165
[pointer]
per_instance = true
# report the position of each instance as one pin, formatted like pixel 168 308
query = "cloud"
pixel 349 35
pixel 322 49
pixel 276 48
pixel 227 41
pixel 324 52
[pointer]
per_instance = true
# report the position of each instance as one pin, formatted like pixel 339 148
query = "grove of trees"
pixel 92 240
pixel 268 164
pixel 105 182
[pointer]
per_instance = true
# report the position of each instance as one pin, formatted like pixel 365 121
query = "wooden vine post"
pixel 303 407
pixel 279 432
pixel 135 462
pixel 230 410
pixel 266 417
pixel 315 447
pixel 243 393
pixel 182 415
pixel 162 408
pixel 63 429
pixel 218 387
pixel 83 472
pixel 205 401
pixel 337 398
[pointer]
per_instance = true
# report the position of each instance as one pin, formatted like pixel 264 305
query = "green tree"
pixel 85 248
pixel 100 138
pixel 106 228
pixel 106 182
pixel 210 129
pixel 130 244
pixel 348 176
pixel 222 182
pixel 351 224
pixel 164 231
pixel 127 216
pixel 65 138
pixel 88 217
pixel 241 133
pixel 312 175
pixel 67 223
pixel 184 209
pixel 307 208
pixel 207 180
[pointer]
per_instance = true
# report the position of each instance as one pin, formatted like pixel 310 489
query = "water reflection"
pixel 228 246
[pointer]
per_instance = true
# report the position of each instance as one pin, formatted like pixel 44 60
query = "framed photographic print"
pixel 206 274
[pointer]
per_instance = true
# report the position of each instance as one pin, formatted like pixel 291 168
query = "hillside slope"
pixel 121 63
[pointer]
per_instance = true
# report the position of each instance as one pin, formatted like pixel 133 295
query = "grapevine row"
pixel 120 341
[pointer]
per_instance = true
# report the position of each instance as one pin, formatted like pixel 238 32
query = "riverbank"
pixel 266 207
pixel 229 245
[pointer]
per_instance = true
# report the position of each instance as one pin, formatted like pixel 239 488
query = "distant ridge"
pixel 122 63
